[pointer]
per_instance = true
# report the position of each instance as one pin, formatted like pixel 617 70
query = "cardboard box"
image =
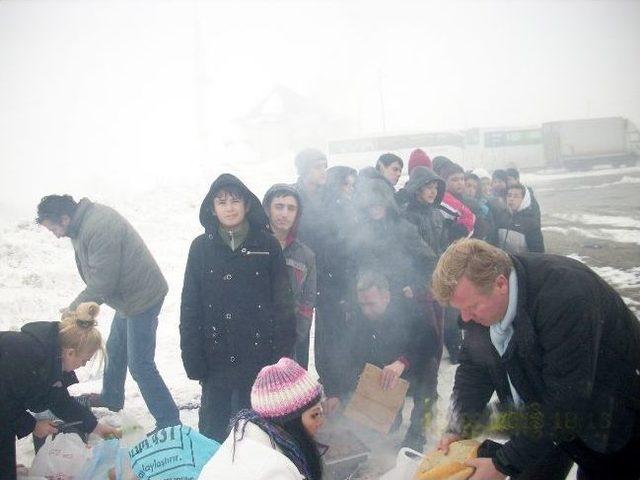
pixel 373 407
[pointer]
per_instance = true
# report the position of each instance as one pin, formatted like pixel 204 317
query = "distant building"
pixel 285 121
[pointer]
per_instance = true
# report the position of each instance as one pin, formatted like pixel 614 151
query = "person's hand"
pixel 446 440
pixel 44 428
pixel 21 470
pixel 331 405
pixel 485 469
pixel 390 375
pixel 408 293
pixel 107 431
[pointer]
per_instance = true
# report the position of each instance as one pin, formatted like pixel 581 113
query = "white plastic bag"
pixel 407 463
pixel 25 474
pixel 61 458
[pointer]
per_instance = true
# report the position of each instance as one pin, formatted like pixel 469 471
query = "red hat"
pixel 419 158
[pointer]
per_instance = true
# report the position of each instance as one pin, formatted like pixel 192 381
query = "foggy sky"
pixel 113 96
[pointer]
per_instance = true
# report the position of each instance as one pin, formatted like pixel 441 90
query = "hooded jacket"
pixel 237 312
pixel 520 231
pixel 113 261
pixel 300 260
pixel 427 217
pixel 31 378
pixel 574 359
pixel 392 245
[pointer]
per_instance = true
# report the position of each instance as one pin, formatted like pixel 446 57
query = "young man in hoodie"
pixel 283 207
pixel 385 242
pixel 519 228
pixel 418 158
pixel 425 190
pixel 513 178
pixel 237 313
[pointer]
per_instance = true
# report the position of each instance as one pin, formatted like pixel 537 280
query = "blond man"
pixel 556 343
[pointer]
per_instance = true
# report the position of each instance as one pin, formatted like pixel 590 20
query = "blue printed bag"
pixel 171 453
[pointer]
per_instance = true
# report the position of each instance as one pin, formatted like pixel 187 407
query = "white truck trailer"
pixel 582 144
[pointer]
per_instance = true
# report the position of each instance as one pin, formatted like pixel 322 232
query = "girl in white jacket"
pixel 274 440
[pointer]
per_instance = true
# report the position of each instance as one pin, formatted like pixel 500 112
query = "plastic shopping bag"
pixel 61 458
pixel 103 457
pixel 170 453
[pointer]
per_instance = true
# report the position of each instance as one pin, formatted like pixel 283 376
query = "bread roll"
pixel 438 466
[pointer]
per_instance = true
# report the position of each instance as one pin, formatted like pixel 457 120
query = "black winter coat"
pixel 237 312
pixel 312 226
pixel 428 218
pixel 31 378
pixel 520 232
pixel 574 356
pixel 400 334
pixel 393 247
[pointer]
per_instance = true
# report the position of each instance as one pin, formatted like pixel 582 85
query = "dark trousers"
pixel 329 344
pixel 301 348
pixel 7 456
pixel 424 384
pixel 301 354
pixel 219 403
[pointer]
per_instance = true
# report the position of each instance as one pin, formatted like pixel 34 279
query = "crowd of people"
pixel 391 277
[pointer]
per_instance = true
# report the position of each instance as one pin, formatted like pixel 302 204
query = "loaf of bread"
pixel 438 466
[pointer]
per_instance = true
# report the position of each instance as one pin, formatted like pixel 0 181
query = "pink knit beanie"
pixel 284 390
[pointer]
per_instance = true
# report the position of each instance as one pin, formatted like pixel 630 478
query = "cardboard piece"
pixel 373 407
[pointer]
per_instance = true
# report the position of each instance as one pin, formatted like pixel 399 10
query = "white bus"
pixel 364 152
pixel 493 148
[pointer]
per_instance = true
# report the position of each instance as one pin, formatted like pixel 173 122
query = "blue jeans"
pixel 132 343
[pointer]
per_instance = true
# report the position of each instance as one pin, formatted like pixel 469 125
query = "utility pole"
pixel 382 111
pixel 200 81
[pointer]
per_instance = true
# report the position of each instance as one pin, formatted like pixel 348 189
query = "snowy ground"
pixel 38 274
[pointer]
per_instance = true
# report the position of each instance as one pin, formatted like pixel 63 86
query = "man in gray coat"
pixel 118 270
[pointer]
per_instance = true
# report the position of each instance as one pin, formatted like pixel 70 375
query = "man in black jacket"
pixel 388 331
pixel 237 313
pixel 556 342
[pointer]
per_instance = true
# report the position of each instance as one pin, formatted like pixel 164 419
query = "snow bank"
pixel 616 235
pixel 609 220
pixel 552 175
